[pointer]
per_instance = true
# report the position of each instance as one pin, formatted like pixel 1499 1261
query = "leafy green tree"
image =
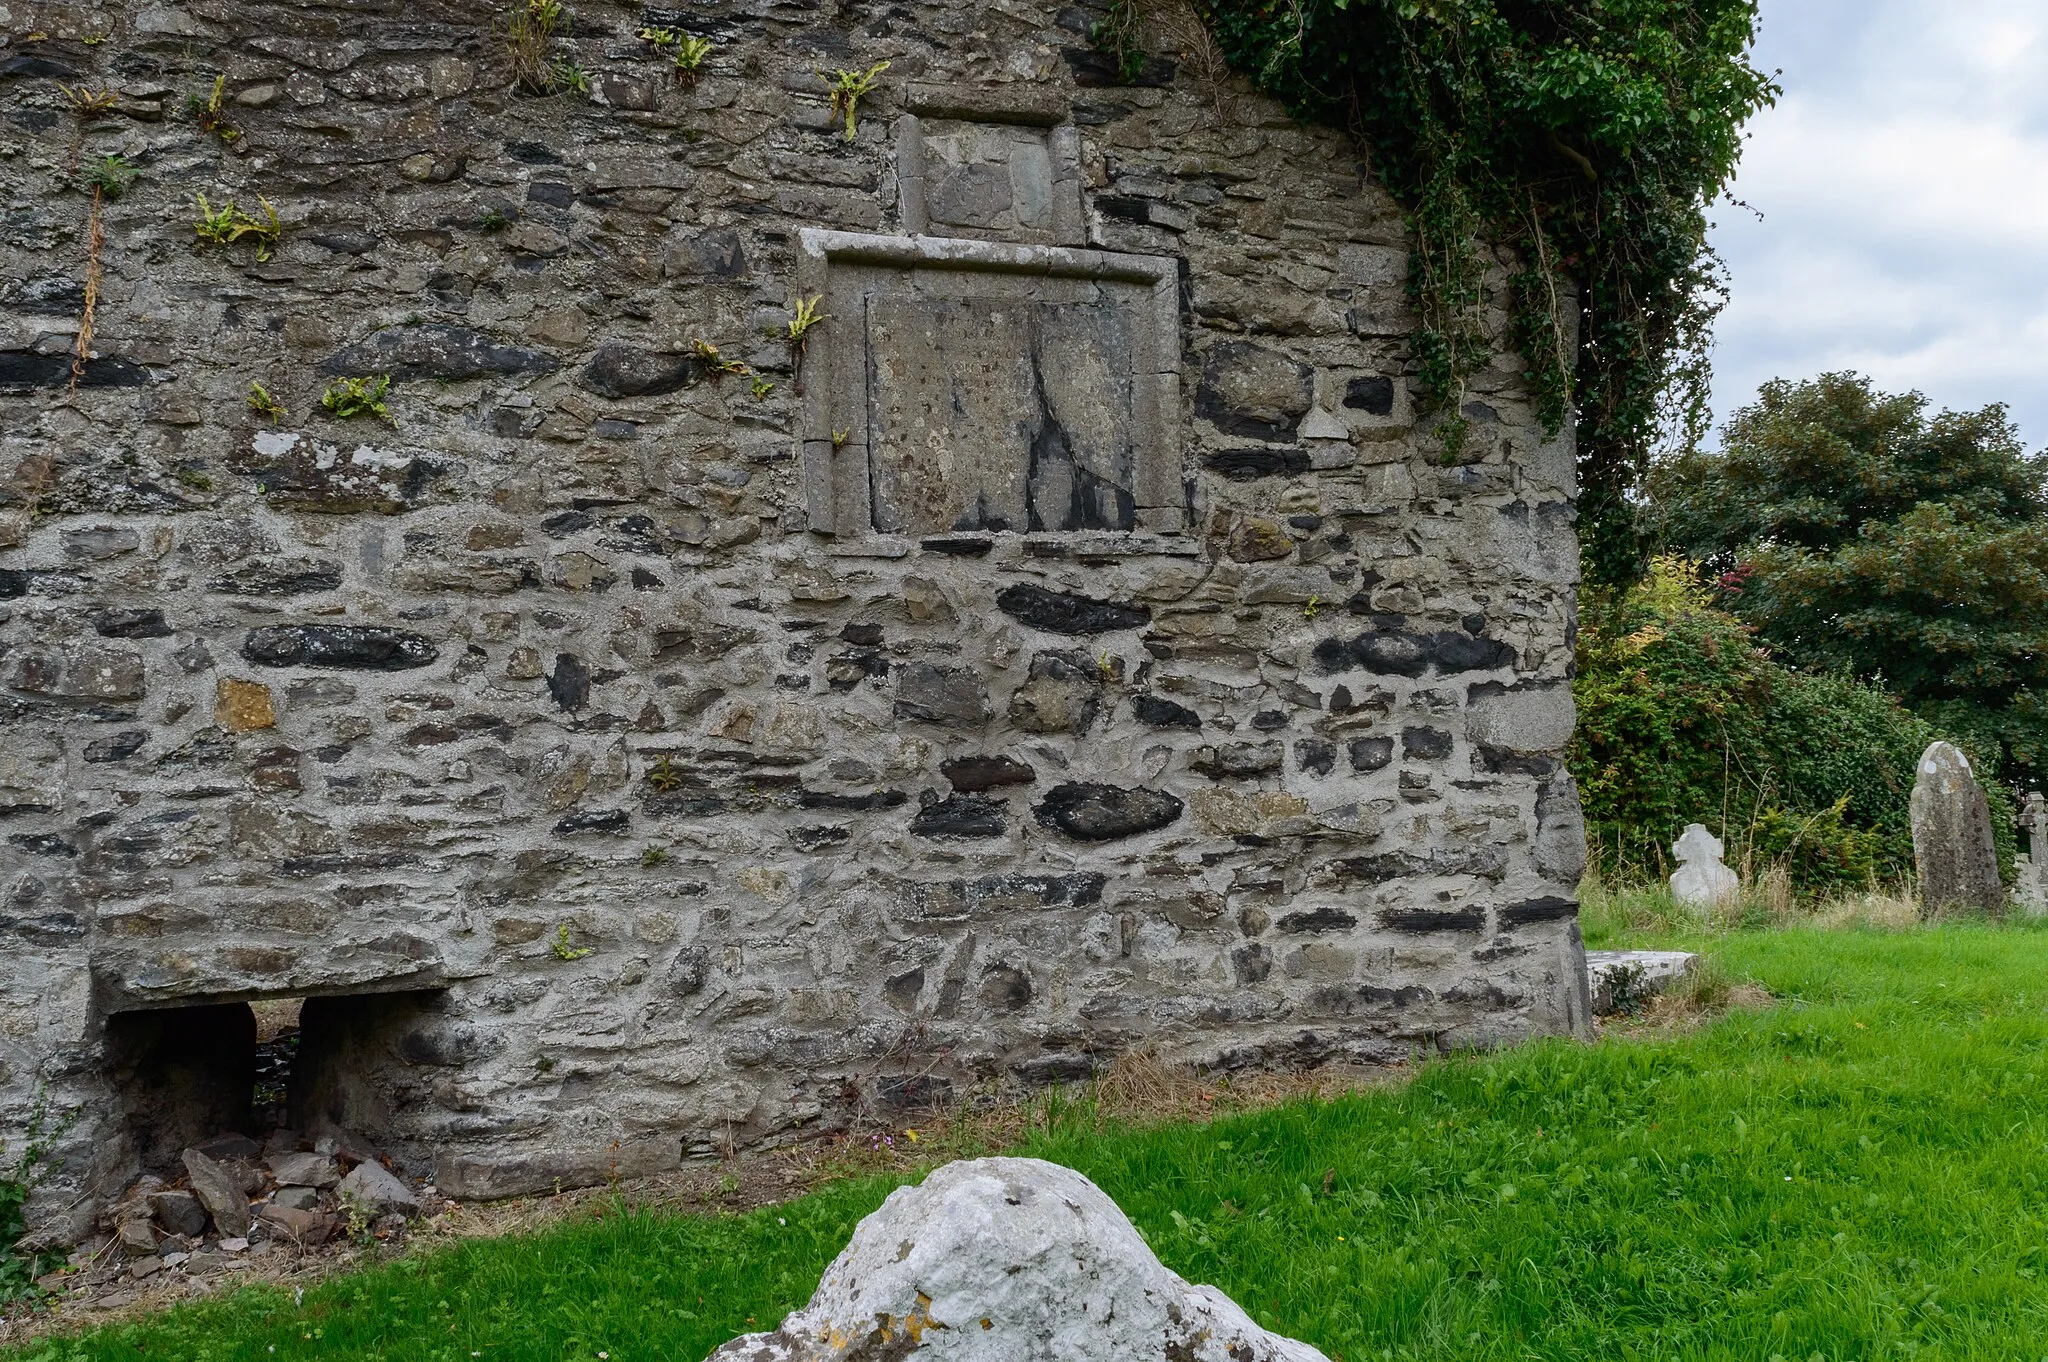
pixel 1683 718
pixel 1858 534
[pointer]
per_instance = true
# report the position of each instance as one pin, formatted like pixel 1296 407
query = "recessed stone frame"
pixel 981 387
pixel 1033 169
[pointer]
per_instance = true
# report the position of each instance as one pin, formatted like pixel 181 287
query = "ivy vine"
pixel 1591 138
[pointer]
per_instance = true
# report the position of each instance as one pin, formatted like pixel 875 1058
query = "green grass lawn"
pixel 1860 1172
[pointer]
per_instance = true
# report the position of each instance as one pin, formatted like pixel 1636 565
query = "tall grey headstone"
pixel 2033 893
pixel 1952 845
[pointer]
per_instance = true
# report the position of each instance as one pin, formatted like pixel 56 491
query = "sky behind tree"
pixel 1903 183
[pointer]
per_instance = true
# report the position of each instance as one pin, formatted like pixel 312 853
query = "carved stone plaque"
pixel 974 386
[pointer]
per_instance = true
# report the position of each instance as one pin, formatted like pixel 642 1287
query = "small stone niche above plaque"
pixel 973 386
pixel 994 164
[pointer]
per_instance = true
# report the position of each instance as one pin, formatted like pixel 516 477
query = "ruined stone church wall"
pixel 1080 646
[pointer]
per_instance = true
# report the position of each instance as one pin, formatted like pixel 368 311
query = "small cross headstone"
pixel 1701 881
pixel 1952 845
pixel 2033 893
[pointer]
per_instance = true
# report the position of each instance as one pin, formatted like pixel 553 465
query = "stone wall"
pixel 1079 646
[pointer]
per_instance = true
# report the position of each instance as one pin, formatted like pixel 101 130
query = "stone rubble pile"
pixel 236 1203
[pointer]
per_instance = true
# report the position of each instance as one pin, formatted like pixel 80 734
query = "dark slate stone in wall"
pixel 131 624
pixel 282 577
pixel 120 747
pixel 1248 465
pixel 1319 920
pixel 569 682
pixel 433 350
pixel 621 370
pixel 34 66
pixel 1539 910
pixel 1090 812
pixel 22 372
pixel 1422 921
pixel 48 295
pixel 1161 713
pixel 1092 68
pixel 1454 653
pixel 940 695
pixel 1371 754
pixel 1058 612
pixel 1400 652
pixel 346 646
pixel 972 775
pixel 1425 744
pixel 593 820
pixel 1374 396
pixel 961 815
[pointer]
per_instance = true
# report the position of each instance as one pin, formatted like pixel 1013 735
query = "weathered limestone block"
pixel 1009 1260
pixel 1625 979
pixel 220 1191
pixel 374 1187
pixel 1953 848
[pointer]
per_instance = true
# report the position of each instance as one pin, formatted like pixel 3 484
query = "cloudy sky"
pixel 1903 183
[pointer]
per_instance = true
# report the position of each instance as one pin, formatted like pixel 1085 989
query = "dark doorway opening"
pixel 277 1072
pixel 184 1074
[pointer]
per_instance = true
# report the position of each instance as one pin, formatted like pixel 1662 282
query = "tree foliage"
pixel 1683 718
pixel 1857 533
pixel 1591 136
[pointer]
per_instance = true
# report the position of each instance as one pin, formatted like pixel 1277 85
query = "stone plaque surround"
pixel 968 385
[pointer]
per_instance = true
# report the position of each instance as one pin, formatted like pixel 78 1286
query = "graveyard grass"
pixel 1857 1171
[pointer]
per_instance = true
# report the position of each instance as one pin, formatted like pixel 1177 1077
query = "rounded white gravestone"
pixel 1701 881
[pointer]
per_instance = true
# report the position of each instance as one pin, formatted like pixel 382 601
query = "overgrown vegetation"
pixel 531 33
pixel 348 399
pixel 1590 136
pixel 715 365
pixel 847 88
pixel 1852 1173
pixel 264 405
pixel 1858 534
pixel 228 224
pixel 107 178
pixel 685 51
pixel 19 1178
pixel 209 113
pixel 1683 718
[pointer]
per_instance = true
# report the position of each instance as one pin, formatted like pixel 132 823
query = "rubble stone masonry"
pixel 1074 643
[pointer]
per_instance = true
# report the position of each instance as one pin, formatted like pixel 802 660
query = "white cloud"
pixel 1904 186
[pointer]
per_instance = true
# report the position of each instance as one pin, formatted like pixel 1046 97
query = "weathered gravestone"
pixel 1952 845
pixel 2033 893
pixel 1701 881
pixel 1009 1260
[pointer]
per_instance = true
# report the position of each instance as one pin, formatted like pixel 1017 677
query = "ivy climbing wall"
pixel 682 613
